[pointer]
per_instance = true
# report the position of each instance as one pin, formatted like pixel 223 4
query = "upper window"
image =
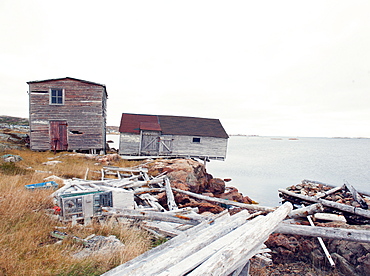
pixel 196 140
pixel 56 96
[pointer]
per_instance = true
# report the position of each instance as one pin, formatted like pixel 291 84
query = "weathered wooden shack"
pixel 174 136
pixel 67 114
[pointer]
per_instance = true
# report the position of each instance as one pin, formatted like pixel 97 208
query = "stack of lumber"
pixel 221 247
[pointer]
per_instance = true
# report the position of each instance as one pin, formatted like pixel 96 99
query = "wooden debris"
pixel 324 232
pixel 203 250
pixel 323 246
pixel 327 203
pixel 170 198
pixel 356 195
pixel 305 211
pixel 150 215
pixel 227 202
pixel 328 216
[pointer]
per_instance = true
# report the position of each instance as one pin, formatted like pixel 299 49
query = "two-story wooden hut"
pixel 67 114
pixel 174 136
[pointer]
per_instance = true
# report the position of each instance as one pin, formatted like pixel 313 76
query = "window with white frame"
pixel 57 96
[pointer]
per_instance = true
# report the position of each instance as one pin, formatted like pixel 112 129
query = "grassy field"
pixel 26 246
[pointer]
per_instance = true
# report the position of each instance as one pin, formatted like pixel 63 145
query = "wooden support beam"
pixel 227 202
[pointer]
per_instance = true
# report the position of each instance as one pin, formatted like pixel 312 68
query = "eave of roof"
pixel 84 81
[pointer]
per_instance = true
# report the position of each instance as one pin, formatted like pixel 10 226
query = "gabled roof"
pixel 172 125
pixel 84 81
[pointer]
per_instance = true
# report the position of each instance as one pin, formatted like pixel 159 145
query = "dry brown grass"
pixel 26 247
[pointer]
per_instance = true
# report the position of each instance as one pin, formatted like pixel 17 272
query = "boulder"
pixel 231 193
pixel 182 172
pixel 216 186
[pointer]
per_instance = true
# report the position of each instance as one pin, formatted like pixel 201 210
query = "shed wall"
pixel 83 109
pixel 214 148
pixel 208 146
pixel 129 143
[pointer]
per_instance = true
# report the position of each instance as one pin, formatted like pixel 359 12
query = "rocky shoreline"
pixel 291 254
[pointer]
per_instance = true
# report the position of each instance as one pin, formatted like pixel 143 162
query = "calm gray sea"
pixel 258 166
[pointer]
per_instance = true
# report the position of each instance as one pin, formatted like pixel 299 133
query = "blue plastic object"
pixel 43 185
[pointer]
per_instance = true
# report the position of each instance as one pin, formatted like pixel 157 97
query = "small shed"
pixel 172 136
pixel 67 114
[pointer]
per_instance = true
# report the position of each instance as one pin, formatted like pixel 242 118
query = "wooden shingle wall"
pixel 84 110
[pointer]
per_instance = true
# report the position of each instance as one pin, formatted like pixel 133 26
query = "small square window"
pixel 196 140
pixel 56 96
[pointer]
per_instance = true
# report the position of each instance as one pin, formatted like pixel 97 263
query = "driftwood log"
pixel 328 203
pixel 226 201
pixel 305 211
pixel 324 232
pixel 149 215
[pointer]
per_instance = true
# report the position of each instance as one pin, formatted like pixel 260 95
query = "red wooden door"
pixel 58 135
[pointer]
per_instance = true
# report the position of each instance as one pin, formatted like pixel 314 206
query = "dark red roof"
pixel 131 123
pixel 172 125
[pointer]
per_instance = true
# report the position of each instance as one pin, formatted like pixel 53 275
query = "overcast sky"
pixel 290 68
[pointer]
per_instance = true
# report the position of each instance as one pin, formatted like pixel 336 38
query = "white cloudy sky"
pixel 295 68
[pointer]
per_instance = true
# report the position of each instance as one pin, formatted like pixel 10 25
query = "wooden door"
pixel 58 135
pixel 150 143
pixel 165 146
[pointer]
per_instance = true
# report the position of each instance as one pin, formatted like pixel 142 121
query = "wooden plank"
pixel 170 198
pixel 323 246
pixel 198 242
pixel 232 256
pixel 327 203
pixel 126 169
pixel 324 232
pixel 194 259
pixel 227 202
pixel 356 195
pixel 331 191
pixel 147 215
pixel 305 211
pixel 328 216
pixel 155 252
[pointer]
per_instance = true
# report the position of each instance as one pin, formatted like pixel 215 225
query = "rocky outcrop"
pixel 191 175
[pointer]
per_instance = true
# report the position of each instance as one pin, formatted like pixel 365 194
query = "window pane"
pixel 56 96
pixel 196 140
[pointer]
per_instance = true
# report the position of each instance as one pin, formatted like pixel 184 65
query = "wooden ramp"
pixel 221 247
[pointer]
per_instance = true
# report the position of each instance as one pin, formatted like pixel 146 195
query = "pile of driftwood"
pixel 130 193
pixel 343 200
pixel 218 244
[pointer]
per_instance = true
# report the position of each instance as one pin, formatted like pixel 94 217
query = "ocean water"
pixel 259 166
